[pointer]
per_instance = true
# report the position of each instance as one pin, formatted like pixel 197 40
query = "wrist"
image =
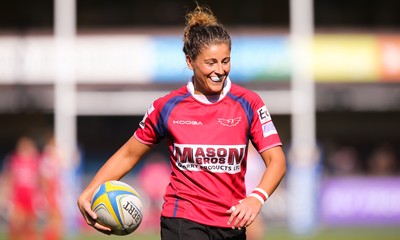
pixel 260 194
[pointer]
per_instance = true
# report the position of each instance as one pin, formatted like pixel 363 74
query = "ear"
pixel 189 62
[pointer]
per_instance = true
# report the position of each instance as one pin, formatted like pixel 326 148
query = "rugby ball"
pixel 118 206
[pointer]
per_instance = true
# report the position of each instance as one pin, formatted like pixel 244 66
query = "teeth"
pixel 215 79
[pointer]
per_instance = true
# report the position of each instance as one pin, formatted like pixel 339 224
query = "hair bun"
pixel 201 16
pixel 202 29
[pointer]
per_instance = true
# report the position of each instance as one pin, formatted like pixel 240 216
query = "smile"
pixel 216 79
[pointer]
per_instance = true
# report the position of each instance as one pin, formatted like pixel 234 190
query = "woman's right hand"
pixel 114 169
pixel 90 217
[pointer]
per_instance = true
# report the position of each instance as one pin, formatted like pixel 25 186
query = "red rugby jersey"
pixel 208 149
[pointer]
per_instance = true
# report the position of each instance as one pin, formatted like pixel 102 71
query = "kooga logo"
pixel 187 122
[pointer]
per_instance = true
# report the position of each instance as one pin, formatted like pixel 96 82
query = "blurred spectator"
pixel 22 176
pixel 383 161
pixel 345 161
pixel 51 172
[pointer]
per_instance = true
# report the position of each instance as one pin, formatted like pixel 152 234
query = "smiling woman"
pixel 207 46
pixel 211 69
pixel 208 124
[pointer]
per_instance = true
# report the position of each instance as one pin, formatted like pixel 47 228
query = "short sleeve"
pixel 148 132
pixel 263 133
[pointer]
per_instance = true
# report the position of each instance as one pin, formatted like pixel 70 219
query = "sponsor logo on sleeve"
pixel 148 112
pixel 268 129
pixel 263 115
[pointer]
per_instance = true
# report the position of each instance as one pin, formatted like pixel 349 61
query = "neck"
pixel 209 98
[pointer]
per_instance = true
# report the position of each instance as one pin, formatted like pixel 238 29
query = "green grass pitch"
pixel 388 233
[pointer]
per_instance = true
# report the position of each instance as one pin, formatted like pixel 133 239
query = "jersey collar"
pixel 204 99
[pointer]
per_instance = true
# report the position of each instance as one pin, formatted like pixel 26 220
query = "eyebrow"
pixel 214 59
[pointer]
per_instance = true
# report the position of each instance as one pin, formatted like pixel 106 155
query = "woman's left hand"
pixel 244 213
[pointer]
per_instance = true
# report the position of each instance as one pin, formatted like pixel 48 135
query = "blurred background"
pixel 86 79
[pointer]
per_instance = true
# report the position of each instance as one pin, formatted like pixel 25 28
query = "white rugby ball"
pixel 118 206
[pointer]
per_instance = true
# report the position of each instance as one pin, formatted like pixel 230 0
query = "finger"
pixel 104 232
pixel 88 209
pixel 88 218
pixel 246 220
pixel 233 211
pixel 239 218
pixel 250 221
pixel 243 217
pixel 101 228
pixel 233 208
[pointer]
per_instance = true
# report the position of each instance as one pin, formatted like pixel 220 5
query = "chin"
pixel 215 90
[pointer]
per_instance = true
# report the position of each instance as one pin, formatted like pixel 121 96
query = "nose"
pixel 219 70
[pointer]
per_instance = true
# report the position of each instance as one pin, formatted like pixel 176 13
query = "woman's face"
pixel 211 68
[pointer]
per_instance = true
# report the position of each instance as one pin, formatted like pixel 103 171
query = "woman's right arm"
pixel 114 169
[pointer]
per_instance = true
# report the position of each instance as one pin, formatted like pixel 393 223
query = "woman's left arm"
pixel 275 161
pixel 243 214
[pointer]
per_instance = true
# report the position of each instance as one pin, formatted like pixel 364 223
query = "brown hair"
pixel 202 29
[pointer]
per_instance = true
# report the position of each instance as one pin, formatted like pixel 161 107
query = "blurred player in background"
pixel 51 172
pixel 23 181
pixel 208 124
pixel 153 178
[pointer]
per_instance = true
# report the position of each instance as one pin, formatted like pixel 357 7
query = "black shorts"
pixel 183 229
